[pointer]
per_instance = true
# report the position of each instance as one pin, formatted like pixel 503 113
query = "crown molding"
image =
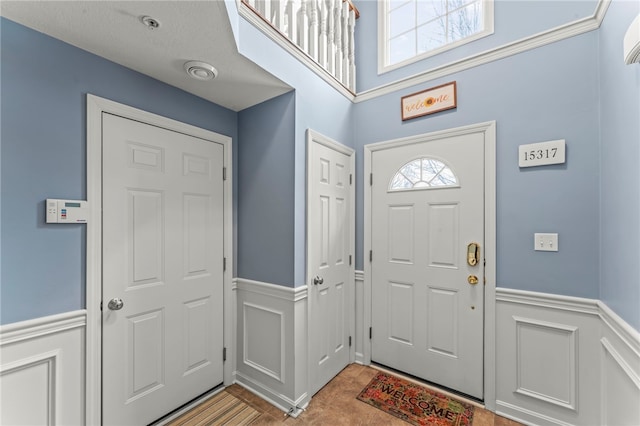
pixel 525 44
pixel 522 45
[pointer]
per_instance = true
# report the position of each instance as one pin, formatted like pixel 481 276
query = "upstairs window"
pixel 410 30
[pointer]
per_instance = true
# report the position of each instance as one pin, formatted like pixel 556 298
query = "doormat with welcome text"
pixel 414 403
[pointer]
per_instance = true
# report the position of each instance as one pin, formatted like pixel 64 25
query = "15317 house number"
pixel 540 154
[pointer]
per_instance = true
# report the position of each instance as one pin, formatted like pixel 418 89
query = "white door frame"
pixel 93 356
pixel 315 137
pixel 488 129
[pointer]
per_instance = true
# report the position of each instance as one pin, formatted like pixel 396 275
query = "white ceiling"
pixel 189 30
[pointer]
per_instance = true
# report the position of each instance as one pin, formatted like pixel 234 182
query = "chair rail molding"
pixel 42 370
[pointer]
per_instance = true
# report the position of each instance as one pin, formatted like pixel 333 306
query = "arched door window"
pixel 423 173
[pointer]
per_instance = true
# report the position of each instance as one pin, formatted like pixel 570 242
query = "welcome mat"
pixel 414 403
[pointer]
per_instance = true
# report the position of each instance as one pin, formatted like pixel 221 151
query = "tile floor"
pixel 336 404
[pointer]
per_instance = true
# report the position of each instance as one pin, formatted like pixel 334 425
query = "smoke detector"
pixel 200 70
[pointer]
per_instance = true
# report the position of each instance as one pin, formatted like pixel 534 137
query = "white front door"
pixel 330 268
pixel 162 292
pixel 427 296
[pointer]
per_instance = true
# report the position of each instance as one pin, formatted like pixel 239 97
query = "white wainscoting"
pixel 564 361
pixel 620 370
pixel 271 358
pixel 42 372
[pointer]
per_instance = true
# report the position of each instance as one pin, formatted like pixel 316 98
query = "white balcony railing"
pixel 323 29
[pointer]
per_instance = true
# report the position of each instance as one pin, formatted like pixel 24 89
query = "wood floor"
pixel 336 404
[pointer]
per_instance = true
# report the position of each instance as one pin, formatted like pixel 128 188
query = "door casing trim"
pixel 96 106
pixel 315 137
pixel 488 129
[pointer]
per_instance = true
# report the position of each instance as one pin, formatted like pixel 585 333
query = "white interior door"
pixel 427 313
pixel 330 245
pixel 162 287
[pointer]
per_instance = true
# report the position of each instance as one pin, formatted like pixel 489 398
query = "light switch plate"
pixel 545 242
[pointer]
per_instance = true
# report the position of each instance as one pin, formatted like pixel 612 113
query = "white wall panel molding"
pixel 271 357
pixel 264 339
pixel 554 380
pixel 42 370
pixel 564 361
pixel 38 404
pixel 525 44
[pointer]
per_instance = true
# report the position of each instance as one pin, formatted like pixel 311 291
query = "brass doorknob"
pixel 472 279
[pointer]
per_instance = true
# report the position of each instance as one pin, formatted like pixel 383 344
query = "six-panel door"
pixel 162 256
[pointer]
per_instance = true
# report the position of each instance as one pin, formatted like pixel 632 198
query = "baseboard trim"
pixel 287 405
pixel 525 416
pixel 39 327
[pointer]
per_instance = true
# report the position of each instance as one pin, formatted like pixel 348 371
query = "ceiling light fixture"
pixel 149 22
pixel 200 70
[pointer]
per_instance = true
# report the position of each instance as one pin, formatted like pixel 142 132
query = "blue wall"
pixel 554 92
pixel 44 83
pixel 544 94
pixel 620 170
pixel 317 106
pixel 266 187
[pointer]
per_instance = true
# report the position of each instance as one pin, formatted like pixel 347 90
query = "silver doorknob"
pixel 317 280
pixel 115 304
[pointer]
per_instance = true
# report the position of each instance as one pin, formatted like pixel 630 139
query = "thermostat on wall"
pixel 66 211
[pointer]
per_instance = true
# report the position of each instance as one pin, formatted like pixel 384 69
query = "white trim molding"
pixel 41 370
pixel 96 106
pixel 359 336
pixel 564 360
pixel 562 32
pixel 272 341
pixel 525 44
pixel 40 327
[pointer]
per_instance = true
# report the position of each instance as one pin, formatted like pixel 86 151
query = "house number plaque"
pixel 541 154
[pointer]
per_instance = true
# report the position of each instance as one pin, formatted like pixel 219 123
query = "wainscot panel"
pixel 42 370
pixel 272 343
pixel 564 361
pixel 620 370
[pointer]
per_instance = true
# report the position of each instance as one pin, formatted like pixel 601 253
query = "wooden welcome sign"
pixel 428 101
